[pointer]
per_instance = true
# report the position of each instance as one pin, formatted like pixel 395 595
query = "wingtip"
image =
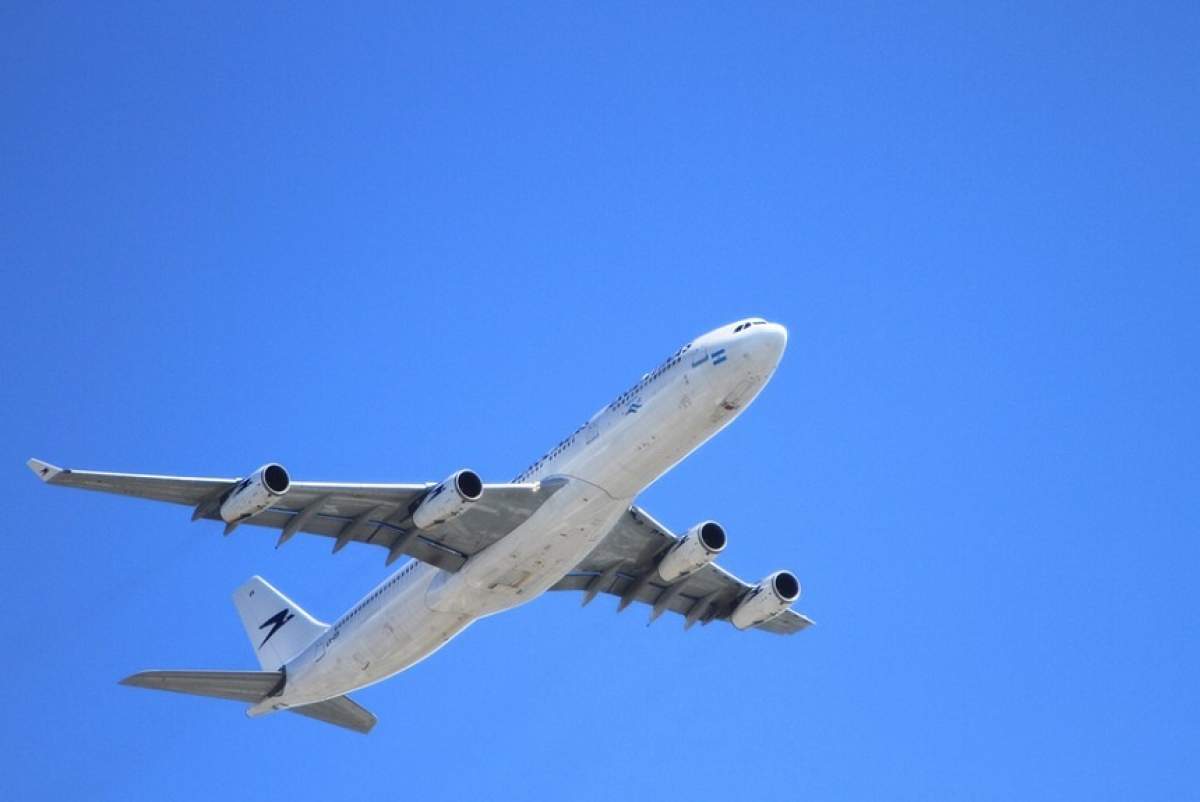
pixel 152 679
pixel 43 470
pixel 133 680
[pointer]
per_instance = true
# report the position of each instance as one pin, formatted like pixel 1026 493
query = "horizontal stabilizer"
pixel 341 711
pixel 240 686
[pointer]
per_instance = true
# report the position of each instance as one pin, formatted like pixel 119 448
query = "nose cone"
pixel 768 343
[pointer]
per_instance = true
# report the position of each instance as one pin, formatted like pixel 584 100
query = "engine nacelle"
pixel 696 549
pixel 449 499
pixel 255 493
pixel 770 598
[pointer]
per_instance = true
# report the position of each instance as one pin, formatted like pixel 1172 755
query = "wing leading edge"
pixel 374 514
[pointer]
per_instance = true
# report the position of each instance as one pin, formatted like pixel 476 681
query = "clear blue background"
pixel 383 243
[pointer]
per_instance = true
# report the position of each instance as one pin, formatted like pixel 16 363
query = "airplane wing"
pixel 376 514
pixel 625 565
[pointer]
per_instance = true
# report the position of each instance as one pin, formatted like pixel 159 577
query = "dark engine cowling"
pixel 696 549
pixel 255 493
pixel 449 499
pixel 768 599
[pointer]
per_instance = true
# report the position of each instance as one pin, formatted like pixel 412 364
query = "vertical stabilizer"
pixel 277 627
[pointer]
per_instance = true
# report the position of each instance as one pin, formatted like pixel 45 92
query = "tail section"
pixel 340 711
pixel 278 630
pixel 240 686
pixel 277 627
pixel 254 687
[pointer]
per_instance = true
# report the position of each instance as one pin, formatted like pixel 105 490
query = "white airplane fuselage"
pixel 620 451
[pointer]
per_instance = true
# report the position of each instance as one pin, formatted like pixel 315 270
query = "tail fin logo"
pixel 275 622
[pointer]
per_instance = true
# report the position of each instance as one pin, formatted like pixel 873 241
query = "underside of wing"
pixel 382 515
pixel 189 490
pixel 626 562
pixel 374 514
pixel 786 623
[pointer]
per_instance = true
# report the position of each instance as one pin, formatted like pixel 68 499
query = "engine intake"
pixel 255 493
pixel 768 599
pixel 449 499
pixel 696 549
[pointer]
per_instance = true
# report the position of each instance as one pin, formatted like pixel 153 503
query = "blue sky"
pixel 384 243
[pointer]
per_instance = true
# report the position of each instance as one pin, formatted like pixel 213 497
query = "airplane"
pixel 566 523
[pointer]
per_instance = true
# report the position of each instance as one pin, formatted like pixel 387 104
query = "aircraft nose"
pixel 769 341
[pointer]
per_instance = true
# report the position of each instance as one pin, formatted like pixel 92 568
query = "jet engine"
pixel 768 599
pixel 696 549
pixel 255 493
pixel 449 499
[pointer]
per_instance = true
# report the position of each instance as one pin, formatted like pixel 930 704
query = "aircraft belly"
pixel 529 560
pixel 375 654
